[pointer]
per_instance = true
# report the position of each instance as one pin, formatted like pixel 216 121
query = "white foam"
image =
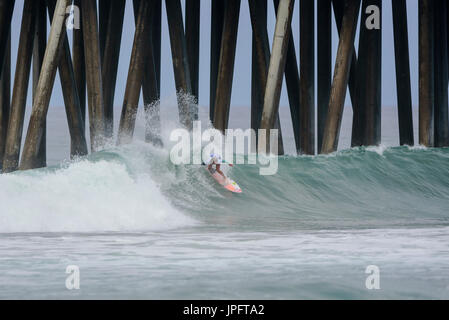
pixel 84 197
pixel 377 149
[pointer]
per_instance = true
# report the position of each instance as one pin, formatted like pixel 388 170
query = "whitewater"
pixel 140 227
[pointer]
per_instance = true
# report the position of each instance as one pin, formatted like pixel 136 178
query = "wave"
pixel 137 188
pixel 99 193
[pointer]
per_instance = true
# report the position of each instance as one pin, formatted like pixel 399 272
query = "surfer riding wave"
pixel 215 160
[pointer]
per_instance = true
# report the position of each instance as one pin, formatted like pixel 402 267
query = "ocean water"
pixel 139 227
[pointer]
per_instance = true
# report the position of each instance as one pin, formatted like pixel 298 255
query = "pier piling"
pixel 369 75
pixel 307 77
pixel 110 58
pixel 5 100
pixel 216 33
pixel 258 12
pixel 341 76
pixel 135 74
pixel 75 121
pixel 426 72
pixel 44 87
pixel 20 89
pixel 276 69
pixel 324 36
pixel 79 66
pixel 402 59
pixel 226 65
pixel 40 42
pixel 187 111
pixel 93 73
pixel 192 13
pixel 441 127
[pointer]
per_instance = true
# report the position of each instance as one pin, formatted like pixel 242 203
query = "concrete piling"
pixel 93 73
pixel 369 76
pixel 192 13
pixel 79 66
pixel 40 42
pixel 44 87
pixel 6 11
pixel 307 77
pixel 135 73
pixel 341 76
pixel 5 100
pixel 292 82
pixel 426 72
pixel 276 68
pixel 110 58
pixel 324 59
pixel 150 90
pixel 78 145
pixel 402 59
pixel 441 127
pixel 20 89
pixel 216 33
pixel 261 61
pixel 226 65
pixel 187 110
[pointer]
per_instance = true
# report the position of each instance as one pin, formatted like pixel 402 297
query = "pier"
pixel 88 70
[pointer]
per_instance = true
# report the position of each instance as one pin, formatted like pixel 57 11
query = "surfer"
pixel 215 160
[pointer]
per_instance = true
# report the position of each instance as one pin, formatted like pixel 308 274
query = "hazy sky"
pixel 242 79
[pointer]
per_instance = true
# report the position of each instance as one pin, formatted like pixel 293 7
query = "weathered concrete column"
pixel 156 41
pixel 292 81
pixel 341 76
pixel 44 87
pixel 104 7
pixel 21 81
pixel 356 140
pixel 135 73
pixel 6 11
pixel 261 61
pixel 369 68
pixel 216 33
pixel 79 66
pixel 181 69
pixel 307 77
pixel 40 42
pixel 93 73
pixel 226 65
pixel 276 68
pixel 150 83
pixel 114 28
pixel 5 100
pixel 426 72
pixel 324 11
pixel 441 127
pixel 193 9
pixel 71 98
pixel 402 57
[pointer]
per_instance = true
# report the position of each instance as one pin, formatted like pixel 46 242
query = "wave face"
pixel 357 188
pixel 137 188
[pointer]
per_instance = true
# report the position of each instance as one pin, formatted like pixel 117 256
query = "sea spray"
pixel 89 195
